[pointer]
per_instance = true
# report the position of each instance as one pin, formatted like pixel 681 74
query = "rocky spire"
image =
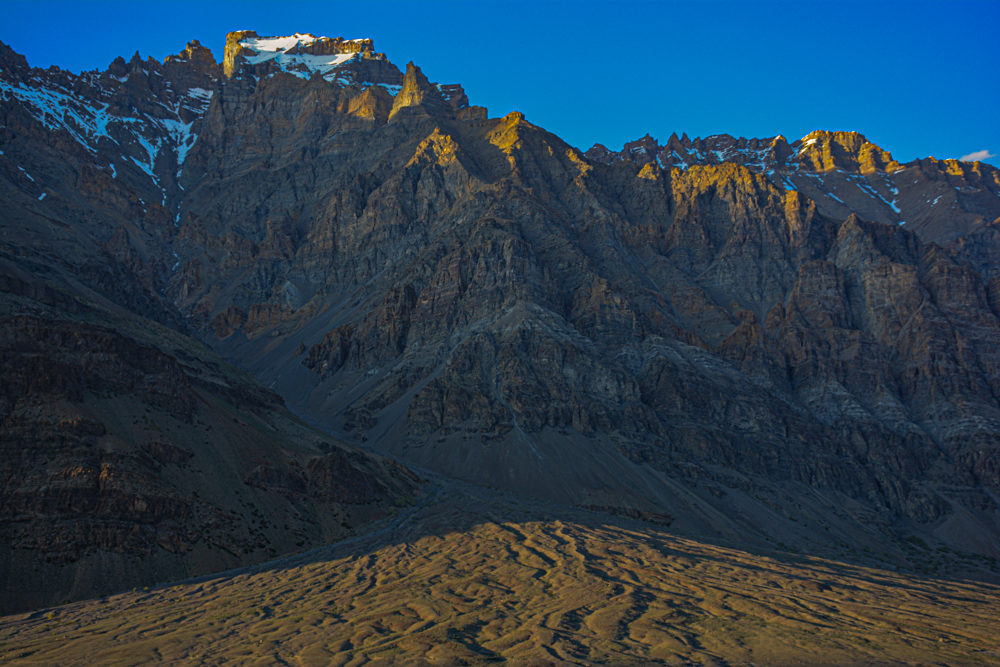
pixel 417 93
pixel 195 54
pixel 194 67
pixel 234 49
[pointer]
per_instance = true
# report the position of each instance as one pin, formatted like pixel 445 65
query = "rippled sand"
pixel 474 578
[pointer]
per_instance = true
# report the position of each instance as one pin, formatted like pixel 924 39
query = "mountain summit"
pixel 300 54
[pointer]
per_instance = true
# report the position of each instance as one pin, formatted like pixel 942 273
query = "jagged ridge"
pixel 844 173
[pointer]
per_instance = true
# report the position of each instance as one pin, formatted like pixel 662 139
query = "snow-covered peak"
pixel 302 54
pixel 269 47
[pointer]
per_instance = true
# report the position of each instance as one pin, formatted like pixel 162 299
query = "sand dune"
pixel 471 577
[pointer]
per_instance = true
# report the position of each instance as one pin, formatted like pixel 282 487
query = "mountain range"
pixel 249 307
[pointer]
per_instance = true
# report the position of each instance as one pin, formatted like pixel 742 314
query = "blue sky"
pixel 917 78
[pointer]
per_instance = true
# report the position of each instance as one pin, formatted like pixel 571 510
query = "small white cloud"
pixel 977 156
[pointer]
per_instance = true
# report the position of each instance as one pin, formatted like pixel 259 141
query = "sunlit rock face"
pixel 758 338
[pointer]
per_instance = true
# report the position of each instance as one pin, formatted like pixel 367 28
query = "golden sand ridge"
pixel 470 576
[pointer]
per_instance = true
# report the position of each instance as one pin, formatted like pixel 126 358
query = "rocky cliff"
pixel 737 333
pixel 132 454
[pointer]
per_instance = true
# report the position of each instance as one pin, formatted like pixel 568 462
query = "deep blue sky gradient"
pixel 917 78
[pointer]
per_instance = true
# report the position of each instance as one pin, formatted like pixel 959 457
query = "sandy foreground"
pixel 472 577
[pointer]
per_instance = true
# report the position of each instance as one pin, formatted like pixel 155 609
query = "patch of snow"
pixel 101 120
pixel 41 197
pixel 758 159
pixel 56 110
pixel 153 151
pixel 275 44
pixel 393 90
pixel 679 161
pixel 936 200
pixel 866 187
pixel 197 99
pixel 302 65
pixel 26 174
pixel 200 93
pixel 902 222
pixel 806 144
pixel 181 133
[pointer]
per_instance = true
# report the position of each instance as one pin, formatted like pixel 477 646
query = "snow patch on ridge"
pixel 806 144
pixel 198 99
pixel 302 65
pixel 184 139
pixel 865 186
pixel 56 110
pixel 271 46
